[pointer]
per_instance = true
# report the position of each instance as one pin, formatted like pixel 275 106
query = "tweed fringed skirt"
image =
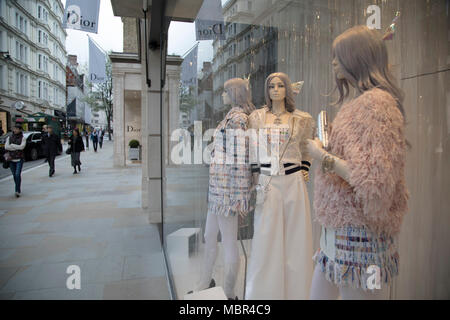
pixel 351 256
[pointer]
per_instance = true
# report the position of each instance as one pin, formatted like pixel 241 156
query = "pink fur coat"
pixel 368 132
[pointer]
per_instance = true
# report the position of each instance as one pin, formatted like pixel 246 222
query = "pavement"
pixel 92 220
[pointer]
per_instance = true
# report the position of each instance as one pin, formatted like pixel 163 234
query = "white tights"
pixel 228 227
pixel 322 289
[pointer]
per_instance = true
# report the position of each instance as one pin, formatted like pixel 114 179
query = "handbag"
pixel 5 164
pixel 8 158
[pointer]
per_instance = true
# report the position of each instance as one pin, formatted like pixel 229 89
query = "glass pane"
pixel 253 39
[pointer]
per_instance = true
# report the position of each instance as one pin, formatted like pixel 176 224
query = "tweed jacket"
pixel 230 183
pixel 368 133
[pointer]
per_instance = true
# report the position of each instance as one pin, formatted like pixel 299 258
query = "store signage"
pixel 133 129
pixel 209 30
pixel 82 15
pixel 209 23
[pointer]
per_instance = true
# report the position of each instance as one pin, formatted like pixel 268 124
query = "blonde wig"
pixel 289 100
pixel 363 59
pixel 238 90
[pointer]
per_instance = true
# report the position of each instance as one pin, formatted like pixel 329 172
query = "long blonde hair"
pixel 289 100
pixel 363 57
pixel 238 90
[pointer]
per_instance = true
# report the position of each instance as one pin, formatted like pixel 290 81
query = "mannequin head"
pixel 237 93
pixel 278 87
pixel 360 60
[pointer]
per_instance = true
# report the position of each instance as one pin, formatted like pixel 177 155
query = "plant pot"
pixel 134 154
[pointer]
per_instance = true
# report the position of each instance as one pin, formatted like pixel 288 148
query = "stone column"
pixel 171 108
pixel 151 136
pixel 119 117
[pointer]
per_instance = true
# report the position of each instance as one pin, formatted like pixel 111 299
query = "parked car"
pixel 33 149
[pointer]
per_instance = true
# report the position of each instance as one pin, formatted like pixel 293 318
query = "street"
pixel 29 164
pixel 92 220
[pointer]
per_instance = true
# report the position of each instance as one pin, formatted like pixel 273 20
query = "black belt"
pixel 286 165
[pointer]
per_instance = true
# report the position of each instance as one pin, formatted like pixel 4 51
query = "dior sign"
pixel 133 129
pixel 82 15
pixel 209 30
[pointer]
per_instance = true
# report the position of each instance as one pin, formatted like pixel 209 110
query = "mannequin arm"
pixel 335 164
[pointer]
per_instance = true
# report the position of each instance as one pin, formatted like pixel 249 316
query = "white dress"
pixel 280 266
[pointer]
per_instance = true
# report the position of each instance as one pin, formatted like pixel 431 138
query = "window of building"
pixel 2 76
pixel 42 13
pixel 21 83
pixel 40 89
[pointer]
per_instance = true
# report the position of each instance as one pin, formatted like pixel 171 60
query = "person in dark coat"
pixel 94 138
pixel 76 147
pixel 52 147
pixel 101 135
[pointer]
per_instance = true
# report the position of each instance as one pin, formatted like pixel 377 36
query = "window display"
pixel 306 221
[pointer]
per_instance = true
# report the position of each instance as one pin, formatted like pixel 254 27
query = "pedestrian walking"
pixel 86 137
pixel 94 138
pixel 52 146
pixel 44 132
pixel 76 147
pixel 100 137
pixel 15 145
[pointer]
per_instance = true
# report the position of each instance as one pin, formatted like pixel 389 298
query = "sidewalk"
pixel 92 220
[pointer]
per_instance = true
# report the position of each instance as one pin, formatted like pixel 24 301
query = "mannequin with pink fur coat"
pixel 360 193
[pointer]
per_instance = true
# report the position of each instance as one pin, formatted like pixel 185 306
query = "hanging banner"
pixel 209 23
pixel 97 63
pixel 189 68
pixel 82 15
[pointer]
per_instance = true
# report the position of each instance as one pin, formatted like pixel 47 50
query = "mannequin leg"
pixel 321 288
pixel 229 229
pixel 210 254
pixel 348 293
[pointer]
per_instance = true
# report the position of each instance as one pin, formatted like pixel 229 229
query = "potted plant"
pixel 134 150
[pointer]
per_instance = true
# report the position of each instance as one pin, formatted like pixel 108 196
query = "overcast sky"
pixel 110 37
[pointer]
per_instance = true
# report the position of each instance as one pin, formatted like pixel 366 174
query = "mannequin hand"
pixel 315 148
pixel 306 175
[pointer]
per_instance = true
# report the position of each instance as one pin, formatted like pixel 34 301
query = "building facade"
pixel 79 113
pixel 32 59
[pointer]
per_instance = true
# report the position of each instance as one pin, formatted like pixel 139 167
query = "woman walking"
pixel 15 145
pixel 76 146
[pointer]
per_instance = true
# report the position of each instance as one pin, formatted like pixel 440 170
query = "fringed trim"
pixel 230 209
pixel 355 276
